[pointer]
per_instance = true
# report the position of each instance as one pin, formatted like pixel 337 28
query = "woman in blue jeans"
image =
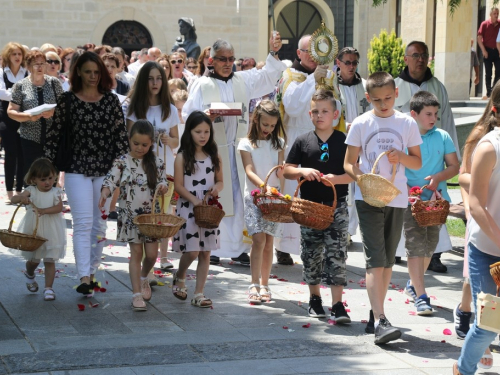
pixel 484 233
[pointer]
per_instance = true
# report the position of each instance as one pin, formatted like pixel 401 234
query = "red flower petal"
pixel 93 304
pixel 443 341
pixel 306 325
pixel 104 217
pixel 407 301
pixel 364 321
pixel 81 307
pixel 96 289
pixel 102 290
pixel 107 282
pixel 285 327
pixel 282 280
pixel 332 322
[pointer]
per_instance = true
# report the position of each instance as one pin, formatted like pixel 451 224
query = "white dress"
pixel 51 226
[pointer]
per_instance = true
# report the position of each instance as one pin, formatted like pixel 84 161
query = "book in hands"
pixel 40 109
pixel 226 109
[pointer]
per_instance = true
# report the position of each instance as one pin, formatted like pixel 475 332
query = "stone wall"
pixel 72 22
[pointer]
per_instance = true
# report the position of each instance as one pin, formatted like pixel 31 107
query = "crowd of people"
pixel 123 129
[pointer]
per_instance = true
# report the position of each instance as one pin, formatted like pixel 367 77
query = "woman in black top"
pixel 32 91
pixel 13 70
pixel 93 116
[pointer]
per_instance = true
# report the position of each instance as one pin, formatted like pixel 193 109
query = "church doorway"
pixel 129 35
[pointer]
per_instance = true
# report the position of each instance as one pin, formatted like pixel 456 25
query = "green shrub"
pixel 386 54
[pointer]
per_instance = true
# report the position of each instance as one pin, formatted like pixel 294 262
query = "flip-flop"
pixel 485 356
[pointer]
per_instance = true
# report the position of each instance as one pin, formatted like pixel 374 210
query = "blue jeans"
pixel 477 339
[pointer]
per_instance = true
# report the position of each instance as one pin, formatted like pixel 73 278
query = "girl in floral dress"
pixel 137 174
pixel 260 151
pixel 197 170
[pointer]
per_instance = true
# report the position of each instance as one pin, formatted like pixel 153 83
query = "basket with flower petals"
pixel 431 212
pixel 273 205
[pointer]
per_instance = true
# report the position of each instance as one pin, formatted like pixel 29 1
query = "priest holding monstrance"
pixel 220 89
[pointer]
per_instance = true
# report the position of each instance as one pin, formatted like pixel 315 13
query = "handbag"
pixel 64 152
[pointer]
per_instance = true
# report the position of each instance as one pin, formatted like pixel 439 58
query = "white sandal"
pixel 31 284
pixel 266 296
pixel 199 300
pixel 48 294
pixel 255 301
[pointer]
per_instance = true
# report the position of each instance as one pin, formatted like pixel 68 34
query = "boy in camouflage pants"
pixel 318 156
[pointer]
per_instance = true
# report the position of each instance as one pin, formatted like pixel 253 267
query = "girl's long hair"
pixel 139 95
pixel 486 123
pixel 144 127
pixel 188 147
pixel 271 109
pixel 41 168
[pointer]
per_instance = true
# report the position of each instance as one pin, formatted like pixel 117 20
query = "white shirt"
pixel 154 116
pixel 4 93
pixel 127 77
pixel 134 68
pixel 376 135
pixel 264 158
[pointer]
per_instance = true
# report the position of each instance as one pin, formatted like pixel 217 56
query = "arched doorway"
pixel 130 35
pixel 296 19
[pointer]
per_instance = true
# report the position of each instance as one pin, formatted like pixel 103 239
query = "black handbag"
pixel 64 152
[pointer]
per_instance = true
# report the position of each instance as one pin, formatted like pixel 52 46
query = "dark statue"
pixel 188 37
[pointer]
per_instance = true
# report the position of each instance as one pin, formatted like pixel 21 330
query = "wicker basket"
pixel 376 190
pixel 273 207
pixel 206 216
pixel 158 225
pixel 311 214
pixel 495 273
pixel 431 212
pixel 21 241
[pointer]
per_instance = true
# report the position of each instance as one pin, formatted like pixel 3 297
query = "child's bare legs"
pixel 416 269
pixel 256 255
pixel 134 266
pixel 50 274
pixel 186 259
pixel 151 253
pixel 377 283
pixel 31 267
pixel 202 271
pixel 267 261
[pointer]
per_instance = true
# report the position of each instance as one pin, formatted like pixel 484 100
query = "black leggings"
pixel 31 152
pixel 14 165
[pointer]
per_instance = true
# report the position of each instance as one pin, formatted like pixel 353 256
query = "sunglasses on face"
pixel 225 59
pixel 349 63
pixel 180 61
pixel 192 67
pixel 325 156
pixel 50 62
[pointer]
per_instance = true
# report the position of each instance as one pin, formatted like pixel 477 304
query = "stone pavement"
pixel 173 337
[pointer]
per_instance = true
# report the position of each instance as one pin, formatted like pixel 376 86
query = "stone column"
pixel 452 55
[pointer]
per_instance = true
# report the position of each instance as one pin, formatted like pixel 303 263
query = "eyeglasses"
pixel 349 63
pixel 50 62
pixel 180 61
pixel 304 50
pixel 39 66
pixel 225 59
pixel 417 56
pixel 325 156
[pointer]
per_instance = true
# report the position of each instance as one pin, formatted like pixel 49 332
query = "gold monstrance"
pixel 324 48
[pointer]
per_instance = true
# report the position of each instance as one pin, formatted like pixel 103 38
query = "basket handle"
pixel 36 216
pixel 393 166
pixel 435 194
pixel 204 202
pixel 322 179
pixel 263 188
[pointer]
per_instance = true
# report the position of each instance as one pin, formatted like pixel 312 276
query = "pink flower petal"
pixel 407 301
pixel 303 283
pixel 447 332
pixel 332 322
pixel 412 313
pixel 389 299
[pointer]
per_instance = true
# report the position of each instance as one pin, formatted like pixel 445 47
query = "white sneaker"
pixel 166 266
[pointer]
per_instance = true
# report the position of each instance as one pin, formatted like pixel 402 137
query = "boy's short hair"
pixel 423 99
pixel 323 94
pixel 378 80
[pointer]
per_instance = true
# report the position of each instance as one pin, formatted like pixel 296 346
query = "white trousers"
pixel 89 229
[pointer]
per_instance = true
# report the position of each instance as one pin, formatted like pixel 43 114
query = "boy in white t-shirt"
pixel 379 130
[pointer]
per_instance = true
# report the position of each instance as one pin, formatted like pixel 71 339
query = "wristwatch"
pixel 272 53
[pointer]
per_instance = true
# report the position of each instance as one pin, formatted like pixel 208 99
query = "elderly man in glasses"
pixel 222 85
pixel 295 92
pixel 416 76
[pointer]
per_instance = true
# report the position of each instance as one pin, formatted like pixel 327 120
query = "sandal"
pixel 138 303
pixel 455 369
pixel 254 297
pixel 199 300
pixel 31 284
pixel 265 293
pixel 483 366
pixel 177 290
pixel 165 264
pixel 48 294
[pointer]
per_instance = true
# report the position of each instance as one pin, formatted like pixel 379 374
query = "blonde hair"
pixel 7 51
pixel 180 96
pixel 52 55
pixel 48 47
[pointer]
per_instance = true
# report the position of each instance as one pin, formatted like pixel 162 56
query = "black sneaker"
pixel 370 326
pixel 214 260
pixel 284 258
pixel 113 215
pixel 462 322
pixel 243 259
pixel 385 332
pixel 339 314
pixel 436 266
pixel 316 307
pixel 398 260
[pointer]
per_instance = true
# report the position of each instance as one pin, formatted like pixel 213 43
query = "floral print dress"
pixel 135 195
